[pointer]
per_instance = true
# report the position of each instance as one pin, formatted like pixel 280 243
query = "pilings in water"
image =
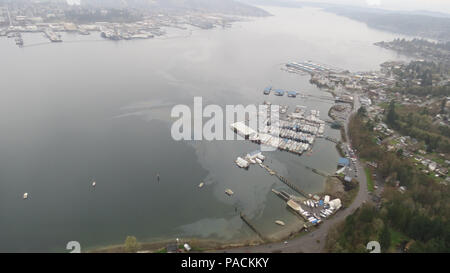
pixel 291 185
pixel 332 139
pixel 285 181
pixel 316 171
pixel 319 172
pixel 252 227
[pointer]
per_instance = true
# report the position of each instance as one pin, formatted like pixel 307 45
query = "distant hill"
pixel 217 6
pixel 422 24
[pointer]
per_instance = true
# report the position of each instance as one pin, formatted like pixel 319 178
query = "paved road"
pixel 314 241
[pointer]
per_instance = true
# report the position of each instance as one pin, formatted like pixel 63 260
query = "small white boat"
pixel 25 195
pixel 278 222
pixel 261 157
pixel 93 184
pixel 201 185
pixel 229 192
pixel 251 160
pixel 242 162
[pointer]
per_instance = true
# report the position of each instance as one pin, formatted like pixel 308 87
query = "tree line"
pixel 417 123
pixel 421 213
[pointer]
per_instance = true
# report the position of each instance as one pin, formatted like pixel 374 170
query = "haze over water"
pixel 92 109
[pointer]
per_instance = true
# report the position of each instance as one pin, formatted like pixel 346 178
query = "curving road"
pixel 314 241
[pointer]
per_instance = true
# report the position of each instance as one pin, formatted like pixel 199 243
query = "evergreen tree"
pixel 391 117
pixel 385 238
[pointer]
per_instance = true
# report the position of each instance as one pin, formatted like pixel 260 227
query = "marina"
pixel 296 133
pixel 313 67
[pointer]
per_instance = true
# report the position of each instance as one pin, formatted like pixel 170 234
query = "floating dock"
pixel 243 130
pixel 296 134
pixel 313 67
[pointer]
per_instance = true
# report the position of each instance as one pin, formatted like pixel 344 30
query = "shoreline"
pixel 203 244
pixel 207 245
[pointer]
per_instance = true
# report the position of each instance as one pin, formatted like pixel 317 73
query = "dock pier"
pixel 336 141
pixel 332 139
pixel 292 186
pixel 316 171
pixel 282 194
pixel 285 181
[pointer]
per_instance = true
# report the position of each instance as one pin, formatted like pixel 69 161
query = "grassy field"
pixel 370 183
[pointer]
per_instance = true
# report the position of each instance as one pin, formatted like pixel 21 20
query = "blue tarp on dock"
pixel 343 162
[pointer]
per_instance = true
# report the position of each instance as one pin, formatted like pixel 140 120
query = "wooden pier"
pixel 316 171
pixel 332 139
pixel 284 180
pixel 336 141
pixel 282 194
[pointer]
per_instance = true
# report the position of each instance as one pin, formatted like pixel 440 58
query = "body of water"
pixel 89 109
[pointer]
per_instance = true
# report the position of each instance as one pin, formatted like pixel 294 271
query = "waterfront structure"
pixel 343 162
